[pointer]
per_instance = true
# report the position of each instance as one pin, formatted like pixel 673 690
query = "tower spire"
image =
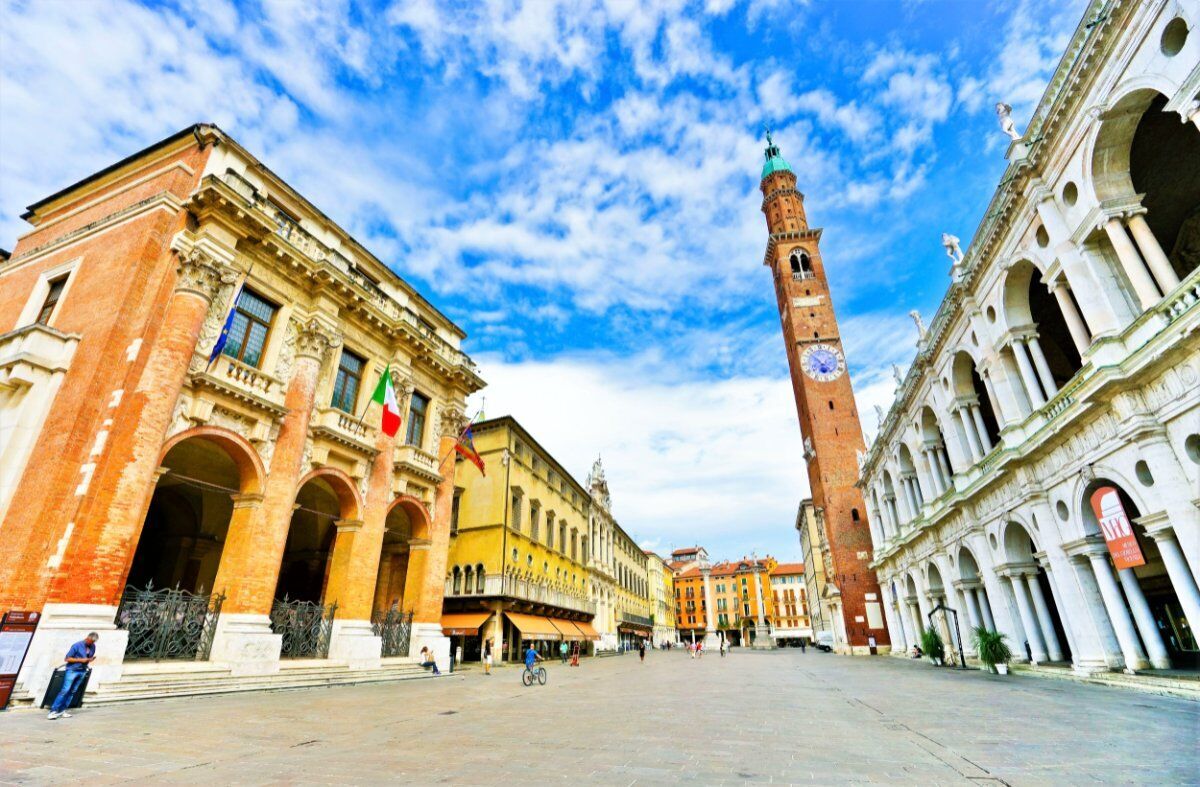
pixel 774 160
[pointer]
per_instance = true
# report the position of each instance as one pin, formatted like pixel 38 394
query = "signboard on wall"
pixel 1116 528
pixel 16 631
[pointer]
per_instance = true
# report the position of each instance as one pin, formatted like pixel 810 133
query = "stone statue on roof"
pixel 916 318
pixel 950 243
pixel 879 414
pixel 1007 124
pixel 896 373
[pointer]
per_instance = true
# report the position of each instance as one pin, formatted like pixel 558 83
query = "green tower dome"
pixel 775 162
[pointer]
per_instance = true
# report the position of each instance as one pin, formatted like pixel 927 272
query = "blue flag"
pixel 224 337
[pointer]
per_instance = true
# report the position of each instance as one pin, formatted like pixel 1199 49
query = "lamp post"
pixel 962 659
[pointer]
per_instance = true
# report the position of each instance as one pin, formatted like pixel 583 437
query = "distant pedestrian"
pixel 692 651
pixel 642 650
pixel 428 661
pixel 487 656
pixel 78 658
pixel 562 651
pixel 803 646
pixel 722 647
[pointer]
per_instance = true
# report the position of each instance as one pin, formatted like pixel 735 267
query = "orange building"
pixel 245 479
pixel 790 623
pixel 729 600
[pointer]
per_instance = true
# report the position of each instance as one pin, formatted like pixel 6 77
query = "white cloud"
pixel 718 462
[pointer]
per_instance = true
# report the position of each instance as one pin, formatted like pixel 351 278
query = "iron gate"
pixel 306 627
pixel 168 624
pixel 395 628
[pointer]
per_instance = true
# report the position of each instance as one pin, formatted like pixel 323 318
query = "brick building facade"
pixel 130 458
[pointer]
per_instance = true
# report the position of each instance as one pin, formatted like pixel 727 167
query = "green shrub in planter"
pixel 992 647
pixel 931 643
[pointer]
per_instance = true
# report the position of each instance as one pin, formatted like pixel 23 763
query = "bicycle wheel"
pixel 527 677
pixel 542 676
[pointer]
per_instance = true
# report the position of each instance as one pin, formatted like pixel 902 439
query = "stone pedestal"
pixel 712 640
pixel 762 638
pixel 246 644
pixel 354 642
pixel 429 635
pixel 60 627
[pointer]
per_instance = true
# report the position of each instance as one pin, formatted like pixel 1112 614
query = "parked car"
pixel 824 641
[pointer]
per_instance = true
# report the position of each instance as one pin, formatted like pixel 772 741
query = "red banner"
pixel 1117 530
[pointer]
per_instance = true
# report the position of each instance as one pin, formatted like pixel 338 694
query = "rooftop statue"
pixel 1007 125
pixel 950 243
pixel 916 317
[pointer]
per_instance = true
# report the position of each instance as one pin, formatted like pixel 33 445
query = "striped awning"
pixel 534 626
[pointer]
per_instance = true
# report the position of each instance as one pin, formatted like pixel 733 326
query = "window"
pixel 417 411
pixel 550 529
pixel 349 377
pixel 252 318
pixel 457 581
pixel 535 513
pixel 454 512
pixel 562 537
pixel 516 510
pixel 52 298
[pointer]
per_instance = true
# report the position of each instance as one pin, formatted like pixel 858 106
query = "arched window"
pixel 457 581
pixel 479 575
pixel 468 576
pixel 801 265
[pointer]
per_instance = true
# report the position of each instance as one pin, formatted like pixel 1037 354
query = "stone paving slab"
pixel 752 718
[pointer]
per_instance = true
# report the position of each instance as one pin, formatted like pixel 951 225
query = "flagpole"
pixel 470 423
pixel 387 369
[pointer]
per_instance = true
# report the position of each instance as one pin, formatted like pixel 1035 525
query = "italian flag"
pixel 385 394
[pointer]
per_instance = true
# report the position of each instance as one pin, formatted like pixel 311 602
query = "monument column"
pixel 710 629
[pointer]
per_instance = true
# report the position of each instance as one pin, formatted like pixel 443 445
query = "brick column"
pixel 109 524
pixel 254 546
pixel 427 612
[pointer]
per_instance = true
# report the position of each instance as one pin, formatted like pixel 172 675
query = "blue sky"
pixel 576 183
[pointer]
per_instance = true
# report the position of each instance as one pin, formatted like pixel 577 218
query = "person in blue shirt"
pixel 78 658
pixel 531 657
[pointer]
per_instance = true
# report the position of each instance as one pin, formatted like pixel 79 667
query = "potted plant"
pixel 993 649
pixel 931 643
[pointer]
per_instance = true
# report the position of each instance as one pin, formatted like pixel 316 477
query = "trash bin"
pixel 56 682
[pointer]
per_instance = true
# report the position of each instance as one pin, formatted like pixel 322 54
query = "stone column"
pixel 1079 331
pixel 1029 619
pixel 889 509
pixel 914 611
pixel 1043 368
pixel 1021 354
pixel 935 472
pixel 710 628
pixel 1144 618
pixel 1131 262
pixel 972 603
pixel 1046 623
pixel 1157 261
pixel 1118 615
pixel 985 608
pixel 944 464
pixel 997 407
pixel 981 429
pixel 762 635
pixel 1177 569
pixel 1077 270
pixel 911 496
pixel 968 427
pixel 497 629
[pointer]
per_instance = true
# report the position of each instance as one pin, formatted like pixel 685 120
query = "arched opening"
pixel 933 447
pixel 979 611
pixel 321 502
pixel 975 409
pixel 912 605
pixel 910 480
pixel 1045 634
pixel 181 541
pixel 1164 164
pixel 1147 590
pixel 393 561
pixel 889 500
pixel 801 265
pixel 1029 302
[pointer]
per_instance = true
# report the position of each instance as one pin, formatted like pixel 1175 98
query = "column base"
pixel 429 635
pixel 60 627
pixel 246 643
pixel 762 639
pixel 354 642
pixel 1088 667
pixel 712 641
pixel 1163 663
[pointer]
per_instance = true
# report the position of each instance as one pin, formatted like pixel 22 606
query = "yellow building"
pixel 518 565
pixel 661 582
pixel 790 624
pixel 817 568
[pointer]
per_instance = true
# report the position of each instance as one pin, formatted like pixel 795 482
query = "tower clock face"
pixel 823 362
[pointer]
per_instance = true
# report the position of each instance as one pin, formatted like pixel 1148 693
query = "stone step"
pixel 1181 687
pixel 189 678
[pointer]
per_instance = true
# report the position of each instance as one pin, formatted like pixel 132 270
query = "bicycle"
pixel 537 674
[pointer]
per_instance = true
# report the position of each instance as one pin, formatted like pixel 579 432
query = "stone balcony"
pixel 252 388
pixel 344 429
pixel 418 462
pixel 498 585
pixel 31 353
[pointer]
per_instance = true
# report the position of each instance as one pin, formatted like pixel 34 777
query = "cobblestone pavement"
pixel 752 717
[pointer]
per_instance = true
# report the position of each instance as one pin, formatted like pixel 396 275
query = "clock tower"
pixel 825 405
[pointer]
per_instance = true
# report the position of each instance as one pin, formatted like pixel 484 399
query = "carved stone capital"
pixel 201 274
pixel 451 421
pixel 314 340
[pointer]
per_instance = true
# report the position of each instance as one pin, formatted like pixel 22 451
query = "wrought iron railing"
pixel 395 629
pixel 306 628
pixel 169 623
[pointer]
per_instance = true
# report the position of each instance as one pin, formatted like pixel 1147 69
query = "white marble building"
pixel 1064 358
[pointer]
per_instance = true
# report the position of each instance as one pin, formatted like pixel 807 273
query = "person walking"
pixel 723 647
pixel 803 645
pixel 428 661
pixel 80 655
pixel 562 651
pixel 642 650
pixel 487 656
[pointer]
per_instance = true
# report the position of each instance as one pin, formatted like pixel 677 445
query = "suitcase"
pixel 56 682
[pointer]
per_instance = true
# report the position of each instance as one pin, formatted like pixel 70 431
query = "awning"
pixel 534 626
pixel 463 623
pixel 586 629
pixel 567 629
pixel 635 628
